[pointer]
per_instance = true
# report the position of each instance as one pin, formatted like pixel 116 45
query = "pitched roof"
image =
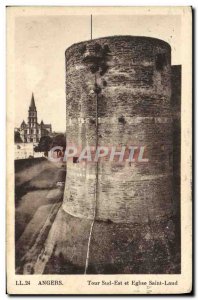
pixel 32 103
pixel 47 125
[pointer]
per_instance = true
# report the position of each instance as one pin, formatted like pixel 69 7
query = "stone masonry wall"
pixel 118 93
pixel 176 108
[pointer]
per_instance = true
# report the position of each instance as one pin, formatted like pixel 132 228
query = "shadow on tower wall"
pixel 176 109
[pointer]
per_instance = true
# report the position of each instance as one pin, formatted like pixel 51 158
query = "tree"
pixel 17 137
pixel 59 140
pixel 44 144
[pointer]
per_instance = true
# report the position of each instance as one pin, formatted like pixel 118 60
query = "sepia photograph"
pixel 99 120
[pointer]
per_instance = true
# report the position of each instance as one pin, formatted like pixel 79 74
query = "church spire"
pixel 32 103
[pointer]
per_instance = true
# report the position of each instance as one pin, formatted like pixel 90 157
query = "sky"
pixel 40 44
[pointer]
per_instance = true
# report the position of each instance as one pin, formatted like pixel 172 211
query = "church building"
pixel 32 131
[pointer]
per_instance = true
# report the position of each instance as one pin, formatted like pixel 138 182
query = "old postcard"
pixel 99 150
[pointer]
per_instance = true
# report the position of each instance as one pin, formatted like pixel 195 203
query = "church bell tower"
pixel 32 121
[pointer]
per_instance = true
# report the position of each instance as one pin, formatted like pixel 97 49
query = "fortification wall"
pixel 118 93
pixel 176 109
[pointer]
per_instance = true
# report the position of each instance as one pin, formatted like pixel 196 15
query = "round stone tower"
pixel 118 94
pixel 118 216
